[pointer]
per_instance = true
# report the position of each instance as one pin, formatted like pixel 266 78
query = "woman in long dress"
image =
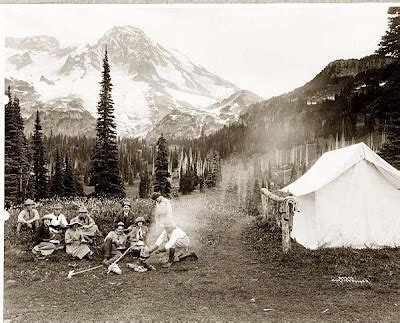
pixel 76 242
pixel 88 227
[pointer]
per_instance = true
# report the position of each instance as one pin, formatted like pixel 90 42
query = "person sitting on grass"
pixel 139 244
pixel 76 242
pixel 58 221
pixel 177 244
pixel 125 216
pixel 89 227
pixel 115 243
pixel 28 217
pixel 44 241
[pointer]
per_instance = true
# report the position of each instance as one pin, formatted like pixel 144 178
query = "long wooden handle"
pixel 126 251
pixel 89 269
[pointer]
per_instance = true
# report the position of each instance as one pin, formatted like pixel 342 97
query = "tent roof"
pixel 334 163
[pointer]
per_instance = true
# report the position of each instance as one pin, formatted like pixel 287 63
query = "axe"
pixel 73 273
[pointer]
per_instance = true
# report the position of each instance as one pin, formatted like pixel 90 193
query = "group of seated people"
pixel 53 232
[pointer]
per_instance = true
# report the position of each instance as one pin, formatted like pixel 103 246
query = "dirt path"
pixel 229 282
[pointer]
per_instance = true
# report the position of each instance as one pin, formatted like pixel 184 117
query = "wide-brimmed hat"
pixel 58 206
pixel 82 209
pixel 140 219
pixel 126 203
pixel 155 195
pixel 169 224
pixel 72 222
pixel 120 224
pixel 29 202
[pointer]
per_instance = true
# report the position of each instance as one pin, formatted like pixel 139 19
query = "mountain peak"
pixel 38 43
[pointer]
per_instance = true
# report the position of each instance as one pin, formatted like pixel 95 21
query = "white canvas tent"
pixel 349 198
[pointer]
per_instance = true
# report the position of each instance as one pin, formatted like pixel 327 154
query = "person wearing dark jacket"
pixel 125 216
pixel 44 245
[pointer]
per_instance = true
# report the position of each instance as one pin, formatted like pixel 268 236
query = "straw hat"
pixel 58 206
pixel 120 224
pixel 82 209
pixel 169 225
pixel 126 203
pixel 29 202
pixel 155 195
pixel 140 219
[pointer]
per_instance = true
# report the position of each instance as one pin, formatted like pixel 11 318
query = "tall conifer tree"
pixel 17 157
pixel 389 100
pixel 69 180
pixel 390 43
pixel 10 176
pixel 105 172
pixel 39 162
pixel 57 183
pixel 162 182
pixel 144 186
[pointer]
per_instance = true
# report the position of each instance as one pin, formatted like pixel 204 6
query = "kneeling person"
pixel 177 244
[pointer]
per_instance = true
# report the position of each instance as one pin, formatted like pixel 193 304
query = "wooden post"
pixel 264 206
pixel 286 228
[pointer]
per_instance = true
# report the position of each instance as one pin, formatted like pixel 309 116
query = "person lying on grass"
pixel 44 241
pixel 137 239
pixel 177 244
pixel 28 217
pixel 76 242
pixel 115 243
pixel 89 228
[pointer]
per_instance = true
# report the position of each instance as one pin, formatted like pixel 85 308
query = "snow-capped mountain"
pixel 178 124
pixel 149 81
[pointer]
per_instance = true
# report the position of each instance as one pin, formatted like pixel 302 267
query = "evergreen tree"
pixel 214 174
pixel 390 43
pixel 10 176
pixel 144 186
pixel 57 182
pixel 390 101
pixel 17 161
pixel 69 180
pixel 105 172
pixel 39 162
pixel 162 182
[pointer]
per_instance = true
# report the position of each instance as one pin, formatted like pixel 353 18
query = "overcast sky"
pixel 268 50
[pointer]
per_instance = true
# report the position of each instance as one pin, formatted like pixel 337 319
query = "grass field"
pixel 241 275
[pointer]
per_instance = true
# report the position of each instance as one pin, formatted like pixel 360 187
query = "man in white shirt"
pixel 163 210
pixel 177 244
pixel 58 221
pixel 28 217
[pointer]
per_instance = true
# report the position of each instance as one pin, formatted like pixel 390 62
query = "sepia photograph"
pixel 200 162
